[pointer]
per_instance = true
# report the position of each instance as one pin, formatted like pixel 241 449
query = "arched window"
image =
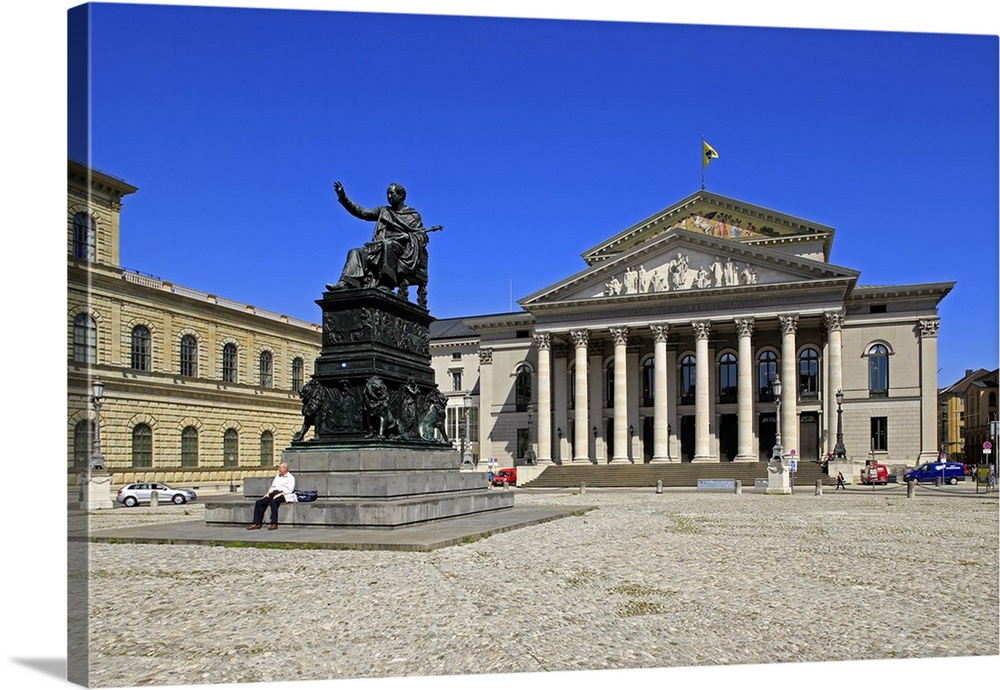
pixel 229 360
pixel 266 449
pixel 266 369
pixel 141 348
pixel 687 379
pixel 298 374
pixel 648 382
pixel 189 355
pixel 84 237
pixel 522 388
pixel 189 447
pixel 83 443
pixel 142 446
pixel 809 374
pixel 878 371
pixel 609 384
pixel 84 339
pixel 727 378
pixel 231 448
pixel 767 371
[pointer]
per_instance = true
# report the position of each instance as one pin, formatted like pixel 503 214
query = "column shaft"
pixel 744 391
pixel 544 397
pixel 621 450
pixel 702 401
pixel 581 443
pixel 789 386
pixel 661 416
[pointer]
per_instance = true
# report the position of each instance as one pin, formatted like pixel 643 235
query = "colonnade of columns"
pixel 587 413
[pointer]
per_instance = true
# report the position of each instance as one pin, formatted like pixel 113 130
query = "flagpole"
pixel 703 162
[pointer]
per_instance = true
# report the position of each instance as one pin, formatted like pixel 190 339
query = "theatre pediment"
pixel 685 262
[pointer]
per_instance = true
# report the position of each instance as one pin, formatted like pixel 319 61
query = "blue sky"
pixel 531 140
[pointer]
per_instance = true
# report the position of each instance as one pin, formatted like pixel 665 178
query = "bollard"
pixel 739 487
pixel 659 486
pixel 504 484
pixel 154 499
pixel 583 487
pixel 937 481
pixel 911 487
pixel 819 487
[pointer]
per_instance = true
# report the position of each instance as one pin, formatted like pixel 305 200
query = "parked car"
pixel 142 492
pixel 948 472
pixel 875 474
pixel 508 474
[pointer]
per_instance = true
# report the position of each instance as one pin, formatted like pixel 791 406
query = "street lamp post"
pixel 670 430
pixel 777 453
pixel 467 454
pixel 839 451
pixel 97 393
pixel 778 476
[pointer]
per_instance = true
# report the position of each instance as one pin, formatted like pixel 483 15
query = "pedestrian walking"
pixel 840 481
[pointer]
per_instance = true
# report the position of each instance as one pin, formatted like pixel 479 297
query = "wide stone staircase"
pixel 683 474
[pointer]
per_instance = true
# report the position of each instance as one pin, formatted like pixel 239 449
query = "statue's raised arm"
pixel 396 256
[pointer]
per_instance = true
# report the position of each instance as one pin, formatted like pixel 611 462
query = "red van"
pixel 875 474
pixel 508 474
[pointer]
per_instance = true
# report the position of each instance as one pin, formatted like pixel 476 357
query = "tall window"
pixel 456 380
pixel 84 339
pixel 687 379
pixel 727 378
pixel 609 385
pixel 522 388
pixel 571 386
pixel 141 348
pixel 880 433
pixel 189 447
pixel 298 374
pixel 266 449
pixel 83 443
pixel 456 424
pixel 229 363
pixel 84 237
pixel 231 448
pixel 809 374
pixel 648 382
pixel 142 446
pixel 266 369
pixel 878 371
pixel 189 355
pixel 767 371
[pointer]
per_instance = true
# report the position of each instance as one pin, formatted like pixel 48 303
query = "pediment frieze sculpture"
pixel 679 274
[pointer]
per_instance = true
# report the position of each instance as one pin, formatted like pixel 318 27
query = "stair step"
pixel 672 475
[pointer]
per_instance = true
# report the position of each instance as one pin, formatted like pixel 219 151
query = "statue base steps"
pixel 374 487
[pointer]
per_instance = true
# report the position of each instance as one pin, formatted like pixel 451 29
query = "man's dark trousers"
pixel 274 500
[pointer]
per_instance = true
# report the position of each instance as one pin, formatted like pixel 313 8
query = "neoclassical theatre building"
pixel 664 348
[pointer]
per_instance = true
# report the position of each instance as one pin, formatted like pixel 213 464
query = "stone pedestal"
pixel 779 479
pixel 373 444
pixel 97 491
pixel 372 487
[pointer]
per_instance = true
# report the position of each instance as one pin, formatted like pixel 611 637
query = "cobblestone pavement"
pixel 644 581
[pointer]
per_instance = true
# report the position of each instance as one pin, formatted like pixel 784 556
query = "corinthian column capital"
pixel 619 334
pixel 661 332
pixel 929 328
pixel 543 340
pixel 834 320
pixel 580 338
pixel 789 323
pixel 702 329
pixel 744 326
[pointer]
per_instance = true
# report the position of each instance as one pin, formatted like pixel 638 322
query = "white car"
pixel 142 492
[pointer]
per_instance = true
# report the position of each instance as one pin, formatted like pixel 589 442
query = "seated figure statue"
pixel 396 256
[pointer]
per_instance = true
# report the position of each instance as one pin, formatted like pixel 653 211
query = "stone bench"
pixel 729 486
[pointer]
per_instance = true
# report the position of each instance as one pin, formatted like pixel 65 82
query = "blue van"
pixel 948 472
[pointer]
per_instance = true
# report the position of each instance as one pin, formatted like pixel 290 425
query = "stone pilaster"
pixel 744 390
pixel 620 337
pixel 581 441
pixel 543 342
pixel 661 411
pixel 928 389
pixel 789 385
pixel 702 393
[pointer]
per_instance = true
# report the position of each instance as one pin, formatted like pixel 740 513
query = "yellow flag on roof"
pixel 708 153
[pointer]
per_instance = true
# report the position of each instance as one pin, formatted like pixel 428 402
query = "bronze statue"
pixel 396 256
